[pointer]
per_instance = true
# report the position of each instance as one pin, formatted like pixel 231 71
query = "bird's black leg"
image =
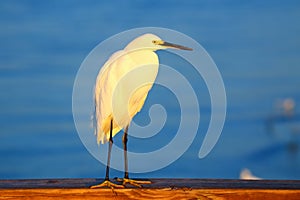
pixel 106 182
pixel 109 150
pixel 126 179
pixel 125 139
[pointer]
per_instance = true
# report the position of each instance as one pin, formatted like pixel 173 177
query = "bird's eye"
pixel 154 41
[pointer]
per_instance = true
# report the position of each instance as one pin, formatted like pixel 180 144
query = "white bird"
pixel 121 89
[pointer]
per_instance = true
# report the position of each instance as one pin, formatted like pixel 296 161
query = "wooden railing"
pixel 159 189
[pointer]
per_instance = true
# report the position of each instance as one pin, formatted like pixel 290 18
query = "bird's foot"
pixel 137 183
pixel 107 183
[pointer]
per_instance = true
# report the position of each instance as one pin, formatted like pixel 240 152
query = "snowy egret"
pixel 121 89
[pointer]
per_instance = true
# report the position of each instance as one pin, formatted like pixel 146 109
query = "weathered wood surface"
pixel 160 189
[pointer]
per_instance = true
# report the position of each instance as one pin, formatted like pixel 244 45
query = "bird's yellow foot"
pixel 107 183
pixel 137 183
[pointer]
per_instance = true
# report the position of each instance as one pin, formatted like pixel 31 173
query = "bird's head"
pixel 152 42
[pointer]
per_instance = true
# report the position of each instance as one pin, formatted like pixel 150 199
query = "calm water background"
pixel 255 44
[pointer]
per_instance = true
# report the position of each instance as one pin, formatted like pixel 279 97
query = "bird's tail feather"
pixel 103 131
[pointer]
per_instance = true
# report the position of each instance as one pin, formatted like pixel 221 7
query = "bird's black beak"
pixel 176 46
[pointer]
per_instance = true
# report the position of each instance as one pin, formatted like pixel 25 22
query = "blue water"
pixel 255 45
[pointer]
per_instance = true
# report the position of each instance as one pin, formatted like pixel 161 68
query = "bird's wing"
pixel 121 89
pixel 107 95
pixel 102 96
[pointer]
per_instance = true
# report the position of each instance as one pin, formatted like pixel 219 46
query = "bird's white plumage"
pixel 123 84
